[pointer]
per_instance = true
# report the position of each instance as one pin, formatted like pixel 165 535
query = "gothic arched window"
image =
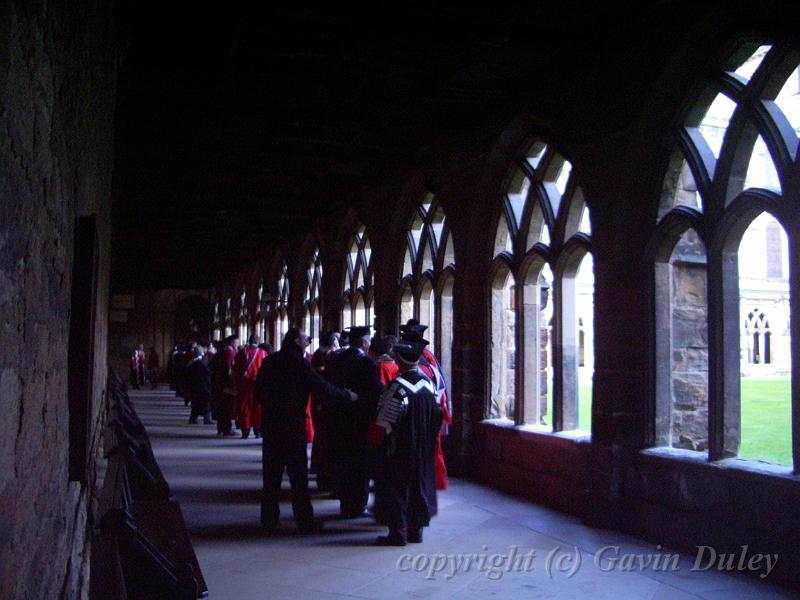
pixel 542 267
pixel 281 325
pixel 261 317
pixel 757 338
pixel 730 192
pixel 244 318
pixel 311 306
pixel 217 326
pixel 357 300
pixel 426 287
pixel 228 317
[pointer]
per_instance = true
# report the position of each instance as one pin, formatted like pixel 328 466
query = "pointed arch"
pixel 733 169
pixel 358 279
pixel 543 227
pixel 425 289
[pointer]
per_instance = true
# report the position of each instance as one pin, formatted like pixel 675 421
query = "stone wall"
pixel 689 341
pixel 545 468
pixel 57 90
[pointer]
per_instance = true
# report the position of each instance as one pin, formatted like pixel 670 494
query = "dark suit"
pixel 283 384
pixel 197 387
pixel 354 370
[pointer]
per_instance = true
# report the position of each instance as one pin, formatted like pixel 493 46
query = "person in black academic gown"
pixel 197 387
pixel 411 417
pixel 353 368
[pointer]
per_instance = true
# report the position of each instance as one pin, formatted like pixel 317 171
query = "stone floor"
pixel 482 544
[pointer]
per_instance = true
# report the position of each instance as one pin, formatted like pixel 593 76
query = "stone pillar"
pixel 689 343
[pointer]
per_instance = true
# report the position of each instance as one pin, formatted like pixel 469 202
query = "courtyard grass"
pixel 766 418
pixel 584 408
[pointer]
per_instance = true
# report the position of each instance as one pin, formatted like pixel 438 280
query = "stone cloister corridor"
pixel 593 208
pixel 218 483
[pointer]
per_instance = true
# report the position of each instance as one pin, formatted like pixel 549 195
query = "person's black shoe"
pixel 313 526
pixel 229 434
pixel 395 538
pixel 269 527
pixel 414 536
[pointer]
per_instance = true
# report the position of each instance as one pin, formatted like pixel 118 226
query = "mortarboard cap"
pixel 410 350
pixel 412 332
pixel 359 331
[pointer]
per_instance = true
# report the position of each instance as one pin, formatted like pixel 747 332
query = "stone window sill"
pixel 740 465
pixel 574 435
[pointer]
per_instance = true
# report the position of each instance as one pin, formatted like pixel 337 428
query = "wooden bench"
pixel 142 548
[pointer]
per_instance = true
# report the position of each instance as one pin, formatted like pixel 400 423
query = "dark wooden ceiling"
pixel 235 129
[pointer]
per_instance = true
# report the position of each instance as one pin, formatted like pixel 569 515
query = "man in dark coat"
pixel 283 384
pixel 321 456
pixel 152 367
pixel 411 417
pixel 223 392
pixel 197 388
pixel 354 369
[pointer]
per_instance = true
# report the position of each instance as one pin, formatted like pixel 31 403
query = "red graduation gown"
pixel 245 368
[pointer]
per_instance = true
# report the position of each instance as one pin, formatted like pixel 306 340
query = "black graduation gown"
pixel 349 424
pixel 197 385
pixel 406 489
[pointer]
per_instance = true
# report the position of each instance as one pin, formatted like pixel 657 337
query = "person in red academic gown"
pixel 137 367
pixel 381 350
pixel 428 364
pixel 245 369
pixel 222 385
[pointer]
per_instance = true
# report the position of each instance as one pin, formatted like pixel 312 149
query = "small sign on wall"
pixel 122 302
pixel 118 316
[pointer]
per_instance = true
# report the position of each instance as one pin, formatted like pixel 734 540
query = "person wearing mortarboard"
pixel 411 417
pixel 428 364
pixel 222 384
pixel 197 386
pixel 353 368
pixel 321 454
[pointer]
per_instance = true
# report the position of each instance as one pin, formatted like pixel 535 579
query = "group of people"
pixel 144 368
pixel 374 409
pixel 217 380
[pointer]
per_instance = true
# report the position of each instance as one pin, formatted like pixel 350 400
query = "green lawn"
pixel 767 420
pixel 584 408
